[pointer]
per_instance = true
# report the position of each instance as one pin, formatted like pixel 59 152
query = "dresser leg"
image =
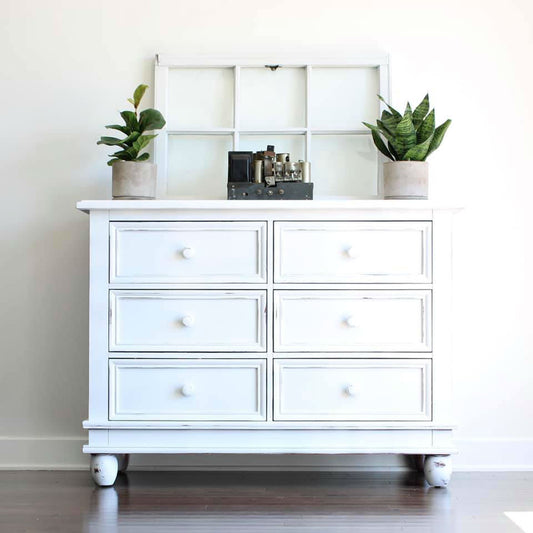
pixel 438 470
pixel 104 469
pixel 417 462
pixel 123 462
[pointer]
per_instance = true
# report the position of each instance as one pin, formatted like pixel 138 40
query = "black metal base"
pixel 288 190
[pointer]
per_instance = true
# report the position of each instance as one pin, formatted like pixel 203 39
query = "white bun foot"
pixel 438 470
pixel 104 469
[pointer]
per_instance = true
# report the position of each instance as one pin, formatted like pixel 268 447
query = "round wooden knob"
pixel 187 389
pixel 187 321
pixel 188 253
pixel 350 390
pixel 351 252
pixel 350 322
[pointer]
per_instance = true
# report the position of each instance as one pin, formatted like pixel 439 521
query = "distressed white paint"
pixel 221 396
pixel 184 252
pixel 356 389
pixel 352 320
pixel 221 389
pixel 438 470
pixel 187 321
pixel 104 469
pixel 352 252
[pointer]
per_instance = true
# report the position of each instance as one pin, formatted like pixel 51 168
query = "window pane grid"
pixel 263 109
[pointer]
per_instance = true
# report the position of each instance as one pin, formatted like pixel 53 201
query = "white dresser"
pixel 269 327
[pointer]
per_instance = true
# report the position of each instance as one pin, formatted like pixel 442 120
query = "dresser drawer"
pixel 187 321
pixel 352 320
pixel 187 252
pixel 352 389
pixel 147 389
pixel 352 252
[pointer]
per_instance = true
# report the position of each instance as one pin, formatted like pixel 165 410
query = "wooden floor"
pixel 257 502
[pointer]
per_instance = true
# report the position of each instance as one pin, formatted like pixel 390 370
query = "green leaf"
pixel 142 142
pixel 110 141
pixel 150 119
pixel 130 119
pixel 125 155
pixel 405 136
pixel 130 139
pixel 438 136
pixel 392 151
pixel 385 128
pixel 395 113
pixel 389 121
pixel 111 161
pixel 143 157
pixel 131 101
pixel 378 141
pixel 419 151
pixel 427 128
pixel 408 112
pixel 421 111
pixel 138 95
pixel 118 127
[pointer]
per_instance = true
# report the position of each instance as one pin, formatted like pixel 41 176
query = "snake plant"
pixel 135 125
pixel 408 137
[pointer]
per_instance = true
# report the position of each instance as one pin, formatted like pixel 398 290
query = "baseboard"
pixel 64 453
pixel 42 453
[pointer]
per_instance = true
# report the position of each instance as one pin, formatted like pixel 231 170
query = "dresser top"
pixel 256 205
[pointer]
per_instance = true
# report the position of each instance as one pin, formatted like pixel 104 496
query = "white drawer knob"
pixel 188 253
pixel 350 322
pixel 350 390
pixel 187 390
pixel 351 252
pixel 187 321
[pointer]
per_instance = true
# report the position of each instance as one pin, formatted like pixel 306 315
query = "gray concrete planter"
pixel 134 180
pixel 405 180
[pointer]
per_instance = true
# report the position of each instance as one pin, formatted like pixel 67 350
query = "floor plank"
pixel 261 501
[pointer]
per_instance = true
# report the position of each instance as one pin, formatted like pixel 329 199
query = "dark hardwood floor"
pixel 259 501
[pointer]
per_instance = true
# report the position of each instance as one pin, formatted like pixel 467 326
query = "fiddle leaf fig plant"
pixel 135 124
pixel 408 137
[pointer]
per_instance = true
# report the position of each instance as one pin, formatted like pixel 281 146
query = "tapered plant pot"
pixel 134 180
pixel 405 180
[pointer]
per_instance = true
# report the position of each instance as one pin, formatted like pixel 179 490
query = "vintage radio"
pixel 268 176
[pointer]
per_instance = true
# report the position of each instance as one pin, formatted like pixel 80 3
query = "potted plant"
pixel 133 176
pixel 407 140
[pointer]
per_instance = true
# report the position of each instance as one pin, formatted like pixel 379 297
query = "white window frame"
pixel 165 62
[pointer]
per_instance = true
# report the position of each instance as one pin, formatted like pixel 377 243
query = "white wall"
pixel 67 67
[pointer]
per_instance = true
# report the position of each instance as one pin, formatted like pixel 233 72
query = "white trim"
pixel 172 61
pixel 161 141
pixel 255 205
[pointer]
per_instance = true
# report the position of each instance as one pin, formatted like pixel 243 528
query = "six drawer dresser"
pixel 281 327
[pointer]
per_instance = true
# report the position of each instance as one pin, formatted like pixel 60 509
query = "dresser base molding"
pixel 339 441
